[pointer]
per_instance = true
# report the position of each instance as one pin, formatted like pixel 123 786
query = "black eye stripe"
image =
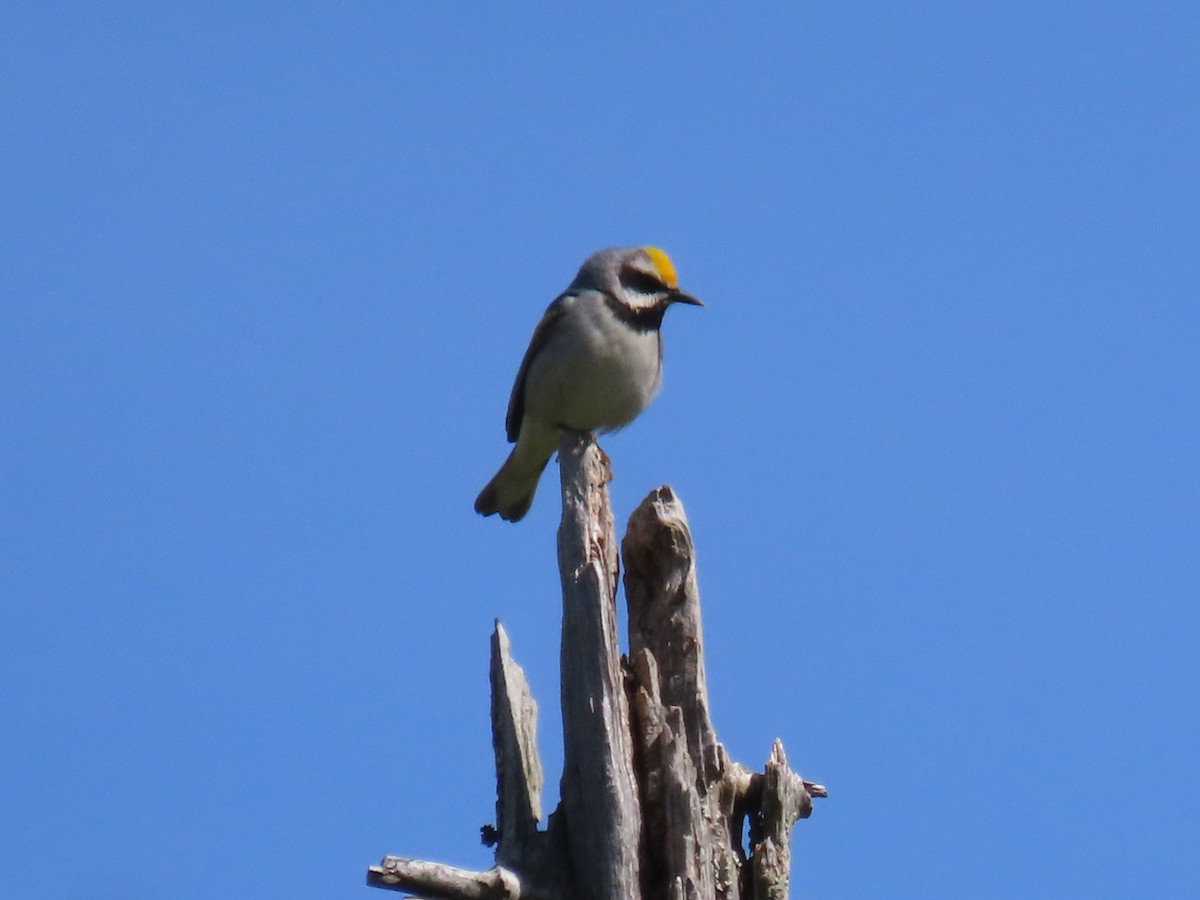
pixel 639 281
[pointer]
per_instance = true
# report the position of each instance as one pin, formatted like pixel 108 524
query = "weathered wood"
pixel 702 848
pixel 436 881
pixel 664 614
pixel 599 792
pixel 677 855
pixel 784 799
pixel 695 800
pixel 652 806
pixel 518 766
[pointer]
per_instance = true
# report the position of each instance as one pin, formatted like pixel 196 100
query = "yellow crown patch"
pixel 662 262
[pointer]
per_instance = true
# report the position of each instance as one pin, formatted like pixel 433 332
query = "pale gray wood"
pixel 786 797
pixel 652 806
pixel 695 799
pixel 518 766
pixel 599 792
pixel 677 849
pixel 436 881
pixel 701 849
pixel 664 614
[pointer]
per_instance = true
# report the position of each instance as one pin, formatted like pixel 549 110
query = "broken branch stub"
pixel 695 800
pixel 652 806
pixel 599 792
pixel 514 741
pixel 697 851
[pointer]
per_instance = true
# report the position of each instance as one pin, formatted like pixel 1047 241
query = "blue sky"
pixel 266 274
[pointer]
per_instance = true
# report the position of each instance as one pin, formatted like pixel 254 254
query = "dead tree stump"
pixel 652 807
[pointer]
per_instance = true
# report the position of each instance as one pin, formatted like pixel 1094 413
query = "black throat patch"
pixel 646 318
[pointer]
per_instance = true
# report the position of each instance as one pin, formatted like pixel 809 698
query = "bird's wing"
pixel 541 336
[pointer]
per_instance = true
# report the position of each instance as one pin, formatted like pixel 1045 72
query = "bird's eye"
pixel 637 280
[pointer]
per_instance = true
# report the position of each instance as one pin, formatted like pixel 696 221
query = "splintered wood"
pixel 652 807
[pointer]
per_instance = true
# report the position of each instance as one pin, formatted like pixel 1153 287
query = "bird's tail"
pixel 510 492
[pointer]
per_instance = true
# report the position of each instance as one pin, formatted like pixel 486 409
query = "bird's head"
pixel 639 276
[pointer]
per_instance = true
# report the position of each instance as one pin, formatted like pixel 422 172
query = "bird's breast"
pixel 596 373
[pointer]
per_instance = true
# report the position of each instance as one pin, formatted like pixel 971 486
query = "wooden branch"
pixel 696 839
pixel 664 614
pixel 695 800
pixel 518 766
pixel 440 882
pixel 676 851
pixel 784 799
pixel 599 793
pixel 652 806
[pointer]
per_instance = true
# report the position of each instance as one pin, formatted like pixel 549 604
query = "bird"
pixel 593 364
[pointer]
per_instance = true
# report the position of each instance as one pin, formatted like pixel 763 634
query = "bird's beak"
pixel 681 297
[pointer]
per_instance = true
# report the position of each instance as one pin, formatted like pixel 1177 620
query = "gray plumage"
pixel 593 364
